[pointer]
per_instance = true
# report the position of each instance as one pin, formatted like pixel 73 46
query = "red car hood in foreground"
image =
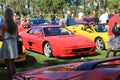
pixel 77 41
pixel 93 70
pixel 60 72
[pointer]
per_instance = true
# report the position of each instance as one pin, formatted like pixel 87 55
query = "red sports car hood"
pixel 61 72
pixel 70 41
pixel 56 75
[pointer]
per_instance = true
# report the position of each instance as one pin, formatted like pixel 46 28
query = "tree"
pixel 50 5
pixel 3 2
pixel 104 4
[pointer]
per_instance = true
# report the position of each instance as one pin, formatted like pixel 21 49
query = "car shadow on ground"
pixel 96 54
pixel 29 63
pixel 70 60
pixel 29 59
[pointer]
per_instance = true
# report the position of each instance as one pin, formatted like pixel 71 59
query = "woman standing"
pixel 9 50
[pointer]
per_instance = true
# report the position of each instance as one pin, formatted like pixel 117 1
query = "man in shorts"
pixel 110 45
pixel 112 40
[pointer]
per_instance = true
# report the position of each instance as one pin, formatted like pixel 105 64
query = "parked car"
pixel 55 40
pixel 105 69
pixel 69 22
pixel 38 22
pixel 97 33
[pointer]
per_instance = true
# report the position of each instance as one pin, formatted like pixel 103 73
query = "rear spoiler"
pixel 92 64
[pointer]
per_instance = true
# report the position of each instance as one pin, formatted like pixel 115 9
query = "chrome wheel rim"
pixel 47 50
pixel 99 44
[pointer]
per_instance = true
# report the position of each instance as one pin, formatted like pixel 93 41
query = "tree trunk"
pixel 105 2
pixel 28 6
pixel 84 6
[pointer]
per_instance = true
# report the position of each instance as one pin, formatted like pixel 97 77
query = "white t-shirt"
pixel 80 15
pixel 103 18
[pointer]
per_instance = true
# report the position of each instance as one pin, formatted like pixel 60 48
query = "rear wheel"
pixel 100 45
pixel 47 50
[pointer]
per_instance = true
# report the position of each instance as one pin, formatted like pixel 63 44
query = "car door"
pixel 38 40
pixel 87 32
pixel 35 39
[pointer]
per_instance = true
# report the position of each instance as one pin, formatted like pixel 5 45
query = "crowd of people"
pixel 103 18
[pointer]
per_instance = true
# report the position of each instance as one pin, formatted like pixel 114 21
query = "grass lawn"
pixel 35 60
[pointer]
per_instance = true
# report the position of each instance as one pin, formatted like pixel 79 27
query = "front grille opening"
pixel 82 49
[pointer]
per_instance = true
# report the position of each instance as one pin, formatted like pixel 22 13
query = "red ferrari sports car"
pixel 54 40
pixel 106 69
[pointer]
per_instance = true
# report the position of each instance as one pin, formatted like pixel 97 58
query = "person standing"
pixel 104 17
pixel 72 15
pixel 95 16
pixel 111 36
pixel 9 50
pixel 52 16
pixel 40 16
pixel 62 21
pixel 80 15
pixel 25 24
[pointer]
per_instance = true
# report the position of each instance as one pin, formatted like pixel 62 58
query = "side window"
pixel 31 31
pixel 37 31
pixel 46 31
pixel 102 28
pixel 105 27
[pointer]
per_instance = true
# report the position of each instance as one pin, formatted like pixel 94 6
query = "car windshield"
pixel 54 31
pixel 101 27
pixel 38 22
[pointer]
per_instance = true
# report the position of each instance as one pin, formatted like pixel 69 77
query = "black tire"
pixel 20 49
pixel 19 44
pixel 47 50
pixel 100 45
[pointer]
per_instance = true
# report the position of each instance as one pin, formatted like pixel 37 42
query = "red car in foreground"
pixel 54 40
pixel 106 69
